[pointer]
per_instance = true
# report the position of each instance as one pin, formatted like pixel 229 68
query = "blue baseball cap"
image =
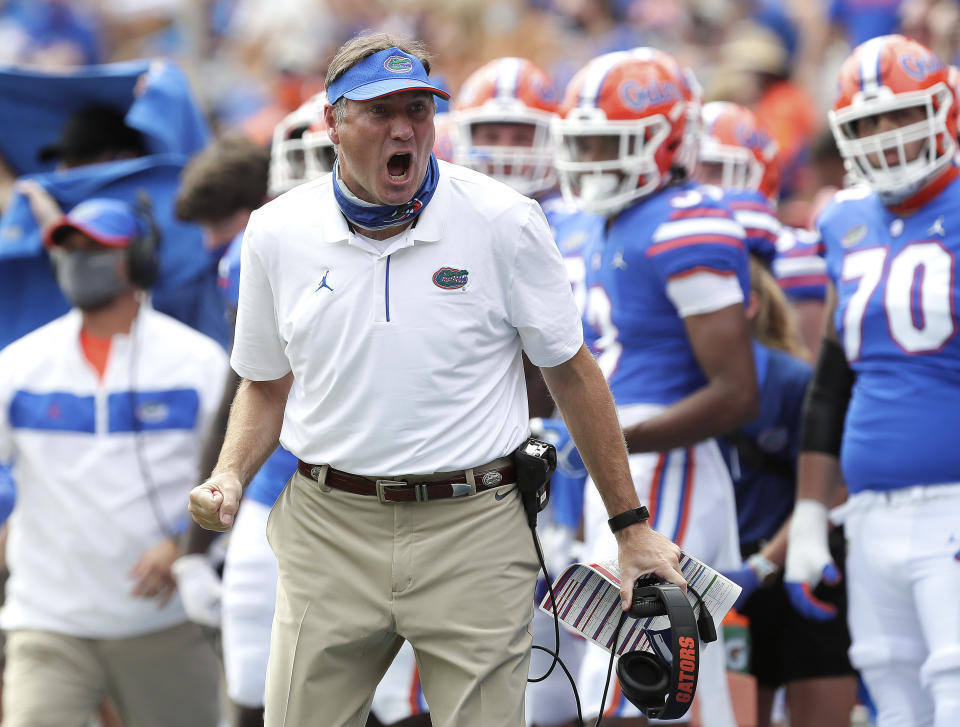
pixel 109 222
pixel 382 74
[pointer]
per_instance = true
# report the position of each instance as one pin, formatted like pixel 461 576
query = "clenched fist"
pixel 214 503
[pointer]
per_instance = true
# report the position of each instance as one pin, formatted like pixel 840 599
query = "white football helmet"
pixel 288 159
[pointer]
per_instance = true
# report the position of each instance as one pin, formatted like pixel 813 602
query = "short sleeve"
pixel 701 256
pixel 703 291
pixel 800 267
pixel 541 303
pixel 258 350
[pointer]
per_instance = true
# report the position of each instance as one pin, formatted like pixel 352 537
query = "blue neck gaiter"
pixel 371 216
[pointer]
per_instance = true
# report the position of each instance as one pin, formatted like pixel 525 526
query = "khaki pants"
pixel 454 577
pixel 161 679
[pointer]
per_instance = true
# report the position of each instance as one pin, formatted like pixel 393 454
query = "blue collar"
pixel 380 216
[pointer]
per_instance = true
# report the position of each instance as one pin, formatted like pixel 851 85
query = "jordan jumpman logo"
pixel 323 283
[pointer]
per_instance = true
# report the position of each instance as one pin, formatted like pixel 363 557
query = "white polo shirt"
pixel 406 359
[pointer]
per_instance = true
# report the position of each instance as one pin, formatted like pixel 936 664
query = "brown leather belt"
pixel 414 488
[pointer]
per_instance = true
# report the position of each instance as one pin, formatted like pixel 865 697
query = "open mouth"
pixel 398 166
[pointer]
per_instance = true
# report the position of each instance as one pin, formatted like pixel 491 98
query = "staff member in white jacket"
pixel 102 414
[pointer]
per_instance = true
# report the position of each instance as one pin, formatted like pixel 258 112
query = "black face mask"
pixel 90 279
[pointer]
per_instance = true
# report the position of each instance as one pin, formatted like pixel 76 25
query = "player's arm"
pixel 819 478
pixel 253 432
pixel 824 410
pixel 721 344
pixel 584 399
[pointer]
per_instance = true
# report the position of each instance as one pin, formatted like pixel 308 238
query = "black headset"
pixel 142 255
pixel 658 689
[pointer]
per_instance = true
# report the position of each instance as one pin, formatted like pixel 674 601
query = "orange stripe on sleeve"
pixel 702 269
pixel 669 245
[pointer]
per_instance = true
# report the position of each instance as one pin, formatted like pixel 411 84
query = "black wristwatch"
pixel 637 515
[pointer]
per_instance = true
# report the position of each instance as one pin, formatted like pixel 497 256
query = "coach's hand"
pixel 214 504
pixel 809 560
pixel 643 550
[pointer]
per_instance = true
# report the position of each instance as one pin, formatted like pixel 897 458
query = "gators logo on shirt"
pixel 450 278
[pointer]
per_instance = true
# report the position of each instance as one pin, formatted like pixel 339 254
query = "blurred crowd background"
pixel 251 62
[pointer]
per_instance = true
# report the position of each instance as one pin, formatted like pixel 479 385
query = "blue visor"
pixel 387 72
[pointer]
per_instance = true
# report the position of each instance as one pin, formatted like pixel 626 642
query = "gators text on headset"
pixel 660 690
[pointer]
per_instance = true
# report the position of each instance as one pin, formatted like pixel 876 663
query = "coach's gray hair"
pixel 364 46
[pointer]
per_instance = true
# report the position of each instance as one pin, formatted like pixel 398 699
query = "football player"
pixel 738 154
pixel 884 405
pixel 502 114
pixel 318 151
pixel 289 165
pixel 666 280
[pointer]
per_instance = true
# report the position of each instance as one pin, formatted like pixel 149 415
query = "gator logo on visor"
pixel 398 64
pixel 450 278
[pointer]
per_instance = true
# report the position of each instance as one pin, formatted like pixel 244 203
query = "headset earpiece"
pixel 661 690
pixel 645 678
pixel 143 264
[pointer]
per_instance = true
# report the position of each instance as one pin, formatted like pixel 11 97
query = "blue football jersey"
pixel 271 478
pixel 762 455
pixel 758 219
pixel 228 273
pixel 572 230
pixel 897 303
pixel 800 267
pixel 681 237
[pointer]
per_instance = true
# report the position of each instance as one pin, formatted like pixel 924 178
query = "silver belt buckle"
pixel 419 489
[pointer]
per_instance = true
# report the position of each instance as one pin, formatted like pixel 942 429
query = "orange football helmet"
pixel 627 112
pixel 891 74
pixel 732 138
pixel 693 92
pixel 288 159
pixel 507 91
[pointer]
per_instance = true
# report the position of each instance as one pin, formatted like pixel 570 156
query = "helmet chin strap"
pixel 909 189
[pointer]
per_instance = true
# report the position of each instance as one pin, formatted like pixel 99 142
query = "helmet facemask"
pixel 607 186
pixel 739 169
pixel 528 169
pixel 895 181
pixel 319 153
